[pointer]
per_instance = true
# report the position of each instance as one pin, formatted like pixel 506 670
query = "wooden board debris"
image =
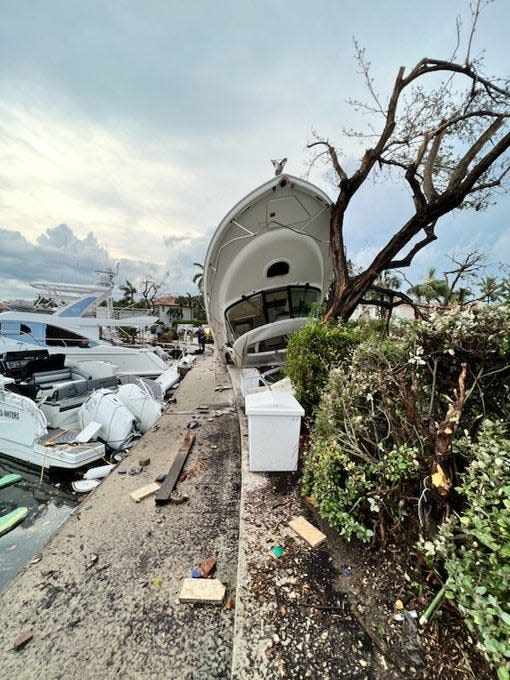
pixel 164 493
pixel 208 590
pixel 22 639
pixel 144 491
pixel 303 528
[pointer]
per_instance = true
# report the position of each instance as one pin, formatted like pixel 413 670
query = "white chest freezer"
pixel 274 423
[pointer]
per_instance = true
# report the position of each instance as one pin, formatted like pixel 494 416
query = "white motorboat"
pixel 49 411
pixel 72 331
pixel 267 264
pixel 24 435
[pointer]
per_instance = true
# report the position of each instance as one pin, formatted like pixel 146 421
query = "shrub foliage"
pixel 398 445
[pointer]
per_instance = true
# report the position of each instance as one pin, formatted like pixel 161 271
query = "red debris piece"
pixel 208 567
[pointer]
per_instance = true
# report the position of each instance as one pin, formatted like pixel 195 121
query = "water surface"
pixel 49 503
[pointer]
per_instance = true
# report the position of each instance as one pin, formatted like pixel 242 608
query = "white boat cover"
pixel 140 403
pixel 117 422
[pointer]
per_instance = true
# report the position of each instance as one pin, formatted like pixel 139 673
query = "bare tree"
pixel 150 288
pixel 445 130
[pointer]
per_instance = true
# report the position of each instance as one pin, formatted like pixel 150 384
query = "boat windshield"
pixel 270 306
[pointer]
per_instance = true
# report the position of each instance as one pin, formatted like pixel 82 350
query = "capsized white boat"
pixel 24 435
pixel 267 263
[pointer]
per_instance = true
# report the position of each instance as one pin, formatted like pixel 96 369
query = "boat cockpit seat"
pixel 44 378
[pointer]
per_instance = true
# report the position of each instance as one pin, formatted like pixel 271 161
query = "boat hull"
pixel 24 435
pixel 267 263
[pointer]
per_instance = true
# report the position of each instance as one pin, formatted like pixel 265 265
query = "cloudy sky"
pixel 128 129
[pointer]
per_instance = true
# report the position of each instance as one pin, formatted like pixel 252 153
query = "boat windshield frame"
pixel 275 304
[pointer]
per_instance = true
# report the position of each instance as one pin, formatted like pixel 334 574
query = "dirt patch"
pixel 373 581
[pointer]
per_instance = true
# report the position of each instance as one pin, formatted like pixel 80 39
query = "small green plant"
pixel 313 350
pixel 475 545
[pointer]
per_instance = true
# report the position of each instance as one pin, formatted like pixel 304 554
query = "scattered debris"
pixel 121 471
pixel 161 478
pixel 22 639
pixel 208 567
pixel 311 501
pixel 85 485
pixel 346 571
pixel 192 424
pixel 197 469
pixel 165 491
pixel 207 590
pixel 144 461
pixel 205 570
pixel 178 498
pixel 277 550
pixel 99 472
pixel 230 603
pixel 93 559
pixel 399 605
pixel 135 470
pixel 144 491
pixel 156 582
pixel 311 534
pixel 35 559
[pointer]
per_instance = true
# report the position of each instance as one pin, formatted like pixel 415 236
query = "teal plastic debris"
pixel 277 550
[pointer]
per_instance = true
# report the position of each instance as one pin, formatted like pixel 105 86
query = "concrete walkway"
pixel 102 600
pixel 117 616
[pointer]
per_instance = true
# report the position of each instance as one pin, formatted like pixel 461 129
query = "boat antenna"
pixel 278 166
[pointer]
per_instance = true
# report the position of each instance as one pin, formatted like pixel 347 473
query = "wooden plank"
pixel 144 491
pixel 164 493
pixel 311 534
pixel 208 590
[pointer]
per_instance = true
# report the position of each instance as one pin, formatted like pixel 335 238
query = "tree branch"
pixel 406 261
pixel 342 175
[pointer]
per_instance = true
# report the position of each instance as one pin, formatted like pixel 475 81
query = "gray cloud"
pixel 59 255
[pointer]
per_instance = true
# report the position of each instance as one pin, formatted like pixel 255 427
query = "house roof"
pixel 165 301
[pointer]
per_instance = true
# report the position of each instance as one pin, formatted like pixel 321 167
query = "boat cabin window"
pixel 302 299
pixel 62 337
pixel 246 315
pixel 270 306
pixel 15 330
pixel 277 269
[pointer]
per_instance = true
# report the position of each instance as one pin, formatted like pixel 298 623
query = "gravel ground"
pixel 291 620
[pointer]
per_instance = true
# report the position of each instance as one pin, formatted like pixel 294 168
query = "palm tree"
pixel 198 279
pixel 431 289
pixel 491 289
pixel 129 291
